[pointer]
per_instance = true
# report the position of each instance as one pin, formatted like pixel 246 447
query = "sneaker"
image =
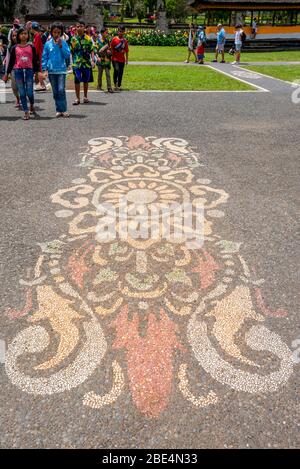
pixel 215 61
pixel 222 62
pixel 65 114
pixel 59 114
pixel 186 62
pixel 235 63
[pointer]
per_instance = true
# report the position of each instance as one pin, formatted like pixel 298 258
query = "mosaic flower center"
pixel 141 196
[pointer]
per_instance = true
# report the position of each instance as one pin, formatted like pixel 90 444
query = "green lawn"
pixel 147 77
pixel 284 72
pixel 178 54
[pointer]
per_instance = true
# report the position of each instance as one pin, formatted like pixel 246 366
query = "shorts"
pixel 220 47
pixel 200 52
pixel 82 75
pixel 238 47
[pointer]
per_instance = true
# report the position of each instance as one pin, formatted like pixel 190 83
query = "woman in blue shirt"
pixel 54 62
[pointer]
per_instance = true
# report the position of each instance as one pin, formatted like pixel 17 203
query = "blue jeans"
pixel 24 82
pixel 58 83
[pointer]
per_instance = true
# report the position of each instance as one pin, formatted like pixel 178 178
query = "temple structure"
pixel 43 10
pixel 275 18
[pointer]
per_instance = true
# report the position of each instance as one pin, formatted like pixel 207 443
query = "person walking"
pixel 192 44
pixel 239 38
pixel 39 47
pixel 220 47
pixel 254 28
pixel 13 42
pixel 201 44
pixel 120 51
pixel 54 63
pixel 16 26
pixel 82 49
pixel 24 61
pixel 103 58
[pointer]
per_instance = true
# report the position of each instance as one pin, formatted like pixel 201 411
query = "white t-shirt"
pixel 238 37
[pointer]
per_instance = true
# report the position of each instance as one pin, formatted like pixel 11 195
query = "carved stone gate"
pixel 86 9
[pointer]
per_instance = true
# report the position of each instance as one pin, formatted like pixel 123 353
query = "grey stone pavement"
pixel 194 350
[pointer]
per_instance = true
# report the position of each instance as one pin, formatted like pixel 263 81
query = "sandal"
pixel 76 102
pixel 86 100
pixel 26 116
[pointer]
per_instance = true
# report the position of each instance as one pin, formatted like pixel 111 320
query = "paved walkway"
pixel 262 82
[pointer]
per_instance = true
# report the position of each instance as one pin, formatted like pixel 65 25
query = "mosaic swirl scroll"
pixel 152 308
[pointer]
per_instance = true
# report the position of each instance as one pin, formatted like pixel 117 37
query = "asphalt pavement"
pixel 149 344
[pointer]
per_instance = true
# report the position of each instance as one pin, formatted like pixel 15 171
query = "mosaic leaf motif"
pixel 162 303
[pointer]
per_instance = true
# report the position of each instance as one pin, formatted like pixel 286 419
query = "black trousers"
pixel 118 72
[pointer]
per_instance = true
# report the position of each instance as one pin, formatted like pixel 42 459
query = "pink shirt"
pixel 24 57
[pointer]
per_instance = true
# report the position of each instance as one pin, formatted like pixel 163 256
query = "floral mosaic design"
pixel 162 303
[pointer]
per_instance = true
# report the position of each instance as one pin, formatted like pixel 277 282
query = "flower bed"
pixel 156 38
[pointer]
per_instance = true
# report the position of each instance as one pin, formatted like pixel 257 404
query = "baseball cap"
pixel 35 26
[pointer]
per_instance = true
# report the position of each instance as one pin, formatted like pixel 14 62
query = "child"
pixel 13 42
pixel 54 62
pixel 201 45
pixel 103 57
pixel 82 49
pixel 24 61
pixel 119 48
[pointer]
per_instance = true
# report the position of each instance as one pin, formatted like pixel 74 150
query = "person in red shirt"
pixel 119 48
pixel 39 47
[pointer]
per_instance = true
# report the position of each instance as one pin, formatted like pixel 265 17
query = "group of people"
pixel 33 55
pixel 197 41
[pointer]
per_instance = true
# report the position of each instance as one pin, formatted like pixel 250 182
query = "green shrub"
pixel 156 38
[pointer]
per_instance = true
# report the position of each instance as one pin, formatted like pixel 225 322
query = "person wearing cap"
pixel 221 39
pixel 39 47
pixel 201 44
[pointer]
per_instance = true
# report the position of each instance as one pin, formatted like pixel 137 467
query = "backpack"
pixel 243 37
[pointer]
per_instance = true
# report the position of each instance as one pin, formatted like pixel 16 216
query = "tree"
pixel 140 10
pixel 176 9
pixel 7 9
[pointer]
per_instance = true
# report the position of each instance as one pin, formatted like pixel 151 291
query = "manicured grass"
pixel 179 54
pixel 284 72
pixel 147 77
